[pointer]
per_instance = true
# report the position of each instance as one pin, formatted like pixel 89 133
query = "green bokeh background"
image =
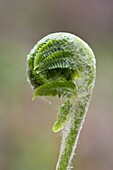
pixel 26 138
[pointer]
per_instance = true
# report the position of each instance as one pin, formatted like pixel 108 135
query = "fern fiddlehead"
pixel 61 64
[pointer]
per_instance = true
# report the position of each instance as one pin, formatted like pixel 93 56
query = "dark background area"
pixel 26 138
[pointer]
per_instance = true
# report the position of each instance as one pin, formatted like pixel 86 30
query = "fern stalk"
pixel 62 64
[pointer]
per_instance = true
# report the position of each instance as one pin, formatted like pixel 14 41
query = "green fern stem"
pixel 71 132
pixel 62 64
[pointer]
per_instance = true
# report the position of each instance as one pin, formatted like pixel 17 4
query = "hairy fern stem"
pixel 70 133
pixel 61 64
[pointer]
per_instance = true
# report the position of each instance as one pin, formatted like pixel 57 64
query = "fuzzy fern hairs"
pixel 62 64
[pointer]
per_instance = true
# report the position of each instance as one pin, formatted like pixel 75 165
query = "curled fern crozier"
pixel 62 64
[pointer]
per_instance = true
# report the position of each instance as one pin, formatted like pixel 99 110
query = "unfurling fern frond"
pixel 62 64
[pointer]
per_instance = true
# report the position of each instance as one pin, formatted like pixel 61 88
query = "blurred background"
pixel 26 138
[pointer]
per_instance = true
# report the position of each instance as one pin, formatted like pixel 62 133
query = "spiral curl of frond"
pixel 62 64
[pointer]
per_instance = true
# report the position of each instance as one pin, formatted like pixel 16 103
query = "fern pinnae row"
pixel 48 57
pixel 53 88
pixel 57 58
pixel 58 63
pixel 40 58
pixel 50 45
